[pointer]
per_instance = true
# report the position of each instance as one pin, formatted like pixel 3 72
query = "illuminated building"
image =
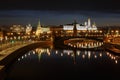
pixel 75 29
pixel 89 23
pixel 1 35
pixel 41 30
pixel 38 30
pixel 28 28
pixel 17 28
pixel 86 26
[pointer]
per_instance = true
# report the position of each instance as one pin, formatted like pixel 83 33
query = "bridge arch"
pixel 19 52
pixel 60 40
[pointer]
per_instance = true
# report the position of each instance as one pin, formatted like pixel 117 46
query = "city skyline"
pixel 59 39
pixel 51 12
pixel 23 17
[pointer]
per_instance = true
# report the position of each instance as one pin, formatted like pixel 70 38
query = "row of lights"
pixel 113 57
pixel 84 54
pixel 85 44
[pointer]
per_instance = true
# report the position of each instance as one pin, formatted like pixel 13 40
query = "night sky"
pixel 56 12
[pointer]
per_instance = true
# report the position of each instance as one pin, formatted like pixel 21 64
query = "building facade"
pixel 86 26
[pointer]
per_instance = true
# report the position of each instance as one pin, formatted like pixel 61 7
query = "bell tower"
pixel 38 30
pixel 74 29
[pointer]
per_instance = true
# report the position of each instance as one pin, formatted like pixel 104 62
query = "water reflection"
pixel 88 44
pixel 56 64
pixel 113 57
pixel 75 55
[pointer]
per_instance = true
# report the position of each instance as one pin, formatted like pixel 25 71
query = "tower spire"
pixel 39 23
pixel 74 29
pixel 38 30
pixel 89 22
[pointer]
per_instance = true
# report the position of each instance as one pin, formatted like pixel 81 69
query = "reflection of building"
pixel 76 56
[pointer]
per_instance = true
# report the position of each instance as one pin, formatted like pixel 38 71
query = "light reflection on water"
pixel 84 44
pixel 74 54
pixel 46 63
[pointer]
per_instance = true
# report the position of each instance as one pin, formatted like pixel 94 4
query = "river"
pixel 45 63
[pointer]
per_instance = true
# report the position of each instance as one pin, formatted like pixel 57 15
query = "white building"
pixel 87 26
pixel 28 28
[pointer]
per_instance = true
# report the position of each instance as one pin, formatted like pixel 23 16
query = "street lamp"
pixel 1 42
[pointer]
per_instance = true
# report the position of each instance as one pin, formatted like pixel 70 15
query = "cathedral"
pixel 41 30
pixel 68 27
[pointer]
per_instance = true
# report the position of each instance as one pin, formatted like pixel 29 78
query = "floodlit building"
pixel 17 28
pixel 41 30
pixel 86 26
pixel 1 35
pixel 28 28
pixel 38 30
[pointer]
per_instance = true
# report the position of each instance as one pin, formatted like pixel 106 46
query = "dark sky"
pixel 59 11
pixel 99 5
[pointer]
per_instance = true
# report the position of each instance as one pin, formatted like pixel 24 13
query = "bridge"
pixel 11 51
pixel 58 41
pixel 61 39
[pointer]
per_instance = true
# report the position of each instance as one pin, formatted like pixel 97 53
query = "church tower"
pixel 94 25
pixel 89 22
pixel 38 30
pixel 75 29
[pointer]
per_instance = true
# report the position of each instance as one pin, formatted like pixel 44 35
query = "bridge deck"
pixel 9 54
pixel 115 50
pixel 4 53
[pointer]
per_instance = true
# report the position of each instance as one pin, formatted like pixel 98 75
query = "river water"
pixel 60 64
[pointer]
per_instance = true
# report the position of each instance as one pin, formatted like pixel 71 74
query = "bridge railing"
pixel 4 46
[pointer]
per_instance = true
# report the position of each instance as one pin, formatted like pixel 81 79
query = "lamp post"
pixel 6 39
pixel 1 42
